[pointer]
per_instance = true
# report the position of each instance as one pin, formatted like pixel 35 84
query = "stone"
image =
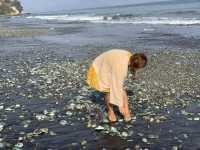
pixel 113 129
pixel 63 122
pixel 18 146
pixel 1 107
pixel 99 128
pixel 175 148
pixel 144 140
pixel 10 7
pixel 84 142
pixel 69 113
pixel 1 126
pixel 185 136
pixel 41 117
pixel 196 118
pixel 2 145
pixel 124 134
pixel 151 136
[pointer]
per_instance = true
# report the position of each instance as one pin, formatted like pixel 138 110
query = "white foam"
pixel 148 29
pixel 68 17
pixel 133 20
pixel 154 21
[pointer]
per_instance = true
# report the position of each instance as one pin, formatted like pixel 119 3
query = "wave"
pixel 183 13
pixel 155 20
pixel 68 17
pixel 120 19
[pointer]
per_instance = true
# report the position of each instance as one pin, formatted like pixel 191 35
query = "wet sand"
pixel 46 104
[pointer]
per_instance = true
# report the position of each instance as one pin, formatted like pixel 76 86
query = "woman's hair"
pixel 137 61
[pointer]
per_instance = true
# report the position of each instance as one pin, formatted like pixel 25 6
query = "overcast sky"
pixel 34 6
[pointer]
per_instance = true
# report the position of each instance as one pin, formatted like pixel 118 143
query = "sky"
pixel 35 6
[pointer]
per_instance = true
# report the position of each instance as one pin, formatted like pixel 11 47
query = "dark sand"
pixel 45 102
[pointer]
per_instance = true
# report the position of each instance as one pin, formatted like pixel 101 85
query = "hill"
pixel 10 7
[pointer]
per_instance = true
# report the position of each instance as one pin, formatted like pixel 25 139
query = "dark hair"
pixel 138 60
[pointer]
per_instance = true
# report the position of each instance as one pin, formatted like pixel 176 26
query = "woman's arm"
pixel 125 109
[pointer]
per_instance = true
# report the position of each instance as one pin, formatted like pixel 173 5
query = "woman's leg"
pixel 111 114
pixel 126 112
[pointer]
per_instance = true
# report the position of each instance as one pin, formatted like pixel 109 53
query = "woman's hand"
pixel 135 77
pixel 124 110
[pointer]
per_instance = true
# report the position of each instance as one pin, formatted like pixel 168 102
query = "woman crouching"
pixel 108 73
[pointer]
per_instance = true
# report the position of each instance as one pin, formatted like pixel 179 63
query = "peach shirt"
pixel 111 68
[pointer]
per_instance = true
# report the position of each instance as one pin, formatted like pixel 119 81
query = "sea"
pixel 174 12
pixel 171 25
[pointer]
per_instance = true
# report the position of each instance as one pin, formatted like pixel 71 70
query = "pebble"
pixel 151 136
pixel 196 118
pixel 124 134
pixel 2 145
pixel 17 106
pixel 52 133
pixel 63 122
pixel 20 138
pixel 69 113
pixel 185 136
pixel 1 126
pixel 93 125
pixel 144 140
pixel 140 134
pixel 137 147
pixel 175 148
pixel 113 129
pixel 84 142
pixel 99 128
pixel 41 117
pixel 74 144
pixel 1 107
pixel 131 133
pixel 19 145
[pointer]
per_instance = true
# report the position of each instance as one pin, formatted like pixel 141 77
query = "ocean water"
pixel 174 12
pixel 171 25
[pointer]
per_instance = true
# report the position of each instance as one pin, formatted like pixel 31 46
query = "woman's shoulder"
pixel 119 51
pixel 114 54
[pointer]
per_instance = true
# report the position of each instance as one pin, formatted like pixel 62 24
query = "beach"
pixel 45 102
